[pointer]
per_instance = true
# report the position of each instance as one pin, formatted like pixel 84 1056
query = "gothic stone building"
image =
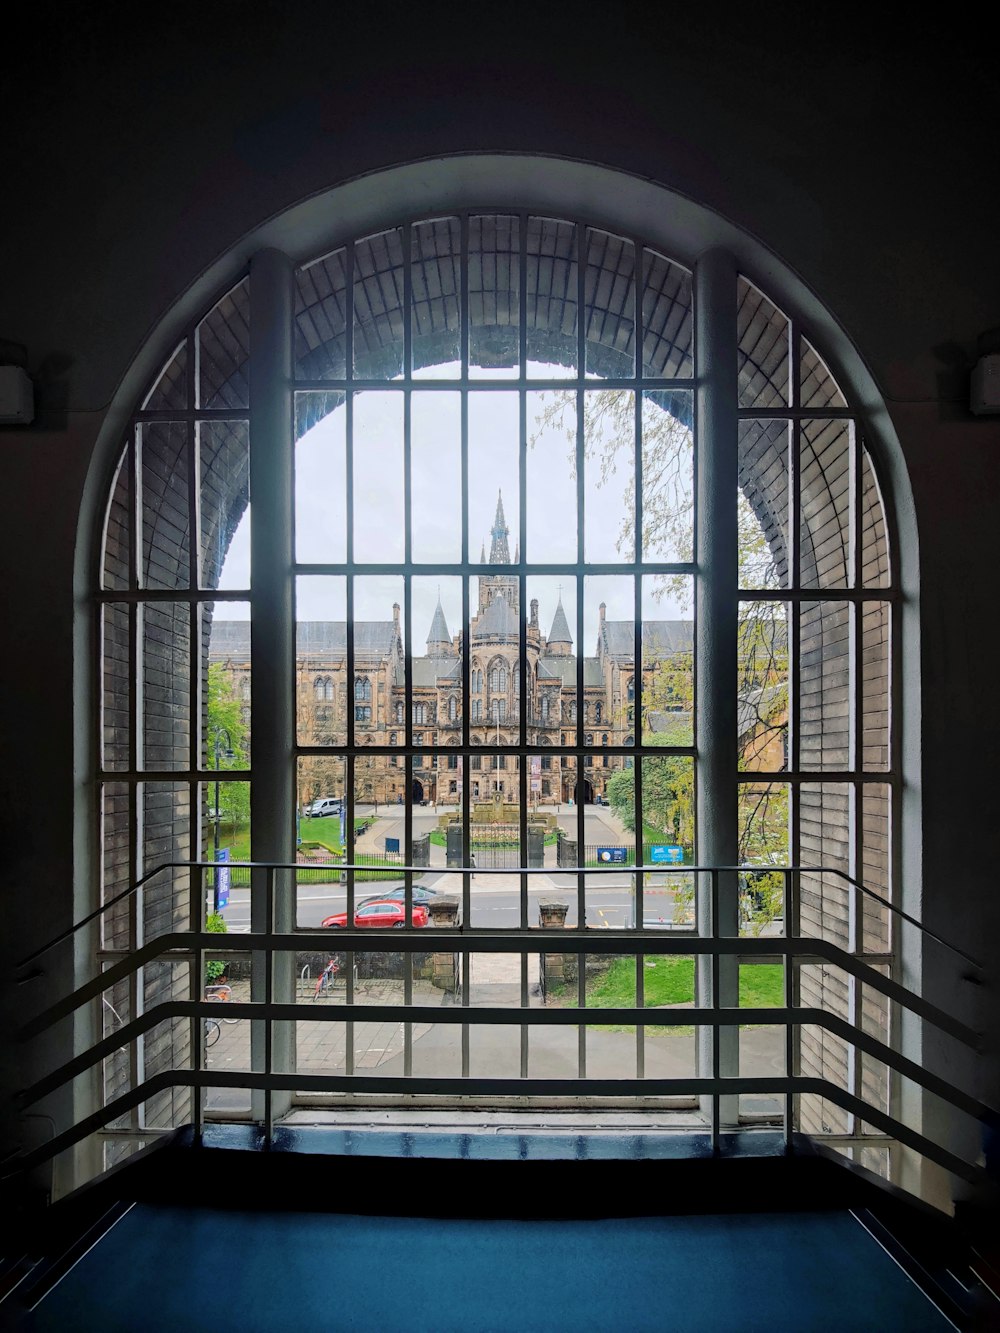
pixel 377 695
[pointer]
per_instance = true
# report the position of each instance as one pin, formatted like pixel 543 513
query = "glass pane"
pixel 825 685
pixel 495 831
pixel 667 663
pixel 166 837
pixel 436 476
pixel 875 629
pixel 876 867
pixel 609 624
pixel 170 392
pixel 494 265
pixel 116 572
pixel 165 464
pixel 875 563
pixel 437 662
pixel 666 318
pixel 379 674
pixel 824 897
pixel 166 685
pixel 817 387
pixel 667 476
pixel 551 675
pixel 763 815
pixel 667 809
pixel 321 478
pixel 609 475
pixel 116 697
pixel 551 477
pixel 321 832
pixel 551 315
pixel 222 348
pixel 226 721
pixel 763 334
pixel 225 837
pixel 763 504
pixel 378 306
pixel 494 504
pixel 826 524
pixel 377 449
pixel 321 660
pixel 116 867
pixel 321 318
pixel 224 456
pixel 762 686
pixel 609 286
pixel 435 253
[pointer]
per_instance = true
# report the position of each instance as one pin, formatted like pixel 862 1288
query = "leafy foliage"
pixel 226 736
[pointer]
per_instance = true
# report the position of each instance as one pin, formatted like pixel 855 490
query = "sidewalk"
pixel 494 1050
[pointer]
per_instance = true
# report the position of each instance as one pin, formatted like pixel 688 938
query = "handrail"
pixel 793 951
pixel 503 941
pixel 402 870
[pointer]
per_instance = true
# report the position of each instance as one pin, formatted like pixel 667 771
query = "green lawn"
pixel 670 980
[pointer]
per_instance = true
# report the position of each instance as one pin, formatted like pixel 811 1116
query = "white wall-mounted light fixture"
pixel 17 397
pixel 984 396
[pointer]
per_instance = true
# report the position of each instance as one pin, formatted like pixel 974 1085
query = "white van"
pixel 325 805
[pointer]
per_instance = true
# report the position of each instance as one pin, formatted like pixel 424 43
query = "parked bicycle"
pixel 222 992
pixel 326 978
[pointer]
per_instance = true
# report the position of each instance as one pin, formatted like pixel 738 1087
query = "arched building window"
pixel 808 605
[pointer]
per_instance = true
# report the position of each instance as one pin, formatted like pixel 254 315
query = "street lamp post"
pixel 219 733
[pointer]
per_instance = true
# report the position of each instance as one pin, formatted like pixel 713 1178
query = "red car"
pixel 379 913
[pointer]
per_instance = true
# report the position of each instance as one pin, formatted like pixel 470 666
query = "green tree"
pixel 224 718
pixel 664 689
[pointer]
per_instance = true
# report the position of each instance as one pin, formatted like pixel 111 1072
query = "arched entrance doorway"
pixel 418 792
pixel 588 792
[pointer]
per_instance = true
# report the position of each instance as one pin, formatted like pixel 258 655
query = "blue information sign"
pixel 612 855
pixel 222 877
pixel 660 853
pixel 392 844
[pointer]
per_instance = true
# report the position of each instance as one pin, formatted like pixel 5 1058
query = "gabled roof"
pixel 498 621
pixel 660 638
pixel 373 639
pixel 564 669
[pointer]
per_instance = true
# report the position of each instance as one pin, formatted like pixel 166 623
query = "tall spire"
pixel 499 550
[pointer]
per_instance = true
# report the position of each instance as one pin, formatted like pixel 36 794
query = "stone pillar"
pixel 453 836
pixel 552 916
pixel 536 845
pixel 565 850
pixel 422 850
pixel 444 964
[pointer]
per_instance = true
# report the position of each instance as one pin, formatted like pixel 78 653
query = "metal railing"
pixel 272 1013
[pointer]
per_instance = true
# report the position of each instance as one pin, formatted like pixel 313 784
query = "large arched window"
pixel 410 386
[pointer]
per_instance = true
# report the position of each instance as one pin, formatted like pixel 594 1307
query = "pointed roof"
pixel 482 554
pixel 559 633
pixel 438 632
pixel 499 549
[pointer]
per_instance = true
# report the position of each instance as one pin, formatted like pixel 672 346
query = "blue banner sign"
pixel 660 853
pixel 392 844
pixel 222 877
pixel 612 855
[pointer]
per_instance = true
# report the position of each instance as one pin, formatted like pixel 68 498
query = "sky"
pixel 320 510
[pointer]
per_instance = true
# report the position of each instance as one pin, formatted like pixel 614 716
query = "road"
pixel 608 901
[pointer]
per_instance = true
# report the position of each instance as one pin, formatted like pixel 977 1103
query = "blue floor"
pixel 164 1268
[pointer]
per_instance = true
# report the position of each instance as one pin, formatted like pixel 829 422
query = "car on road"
pixel 325 805
pixel 379 914
pixel 420 895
